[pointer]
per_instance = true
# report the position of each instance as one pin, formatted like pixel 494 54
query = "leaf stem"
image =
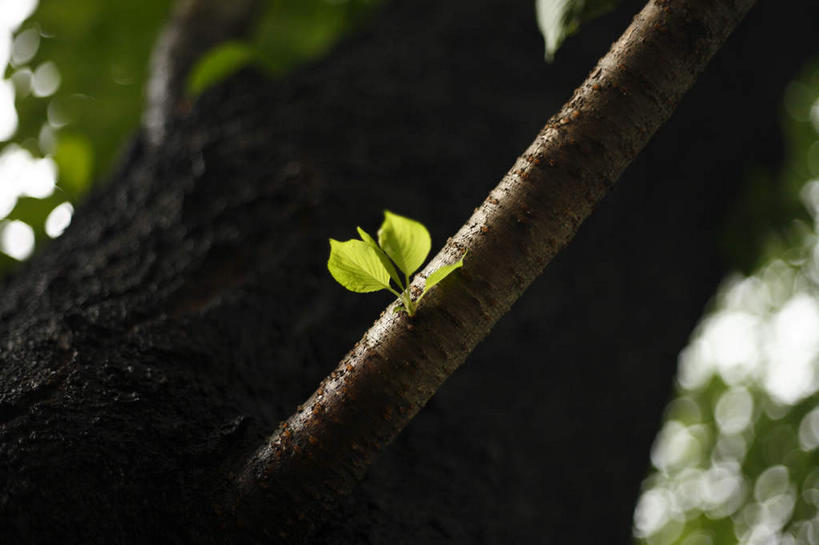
pixel 409 306
pixel 394 292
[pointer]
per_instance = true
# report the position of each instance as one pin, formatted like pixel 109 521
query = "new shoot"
pixel 403 244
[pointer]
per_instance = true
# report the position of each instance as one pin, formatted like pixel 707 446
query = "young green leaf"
pixel 406 241
pixel 439 274
pixel 381 255
pixel 356 266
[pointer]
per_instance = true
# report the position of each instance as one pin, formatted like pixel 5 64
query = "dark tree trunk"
pixel 187 310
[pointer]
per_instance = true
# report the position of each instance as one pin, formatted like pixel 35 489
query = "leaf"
pixel 441 273
pixel 385 260
pixel 559 19
pixel 75 162
pixel 406 241
pixel 217 64
pixel 355 265
pixel 551 15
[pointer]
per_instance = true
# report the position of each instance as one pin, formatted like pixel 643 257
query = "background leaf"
pixel 74 155
pixel 217 64
pixel 406 241
pixel 356 266
pixel 292 32
pixel 559 19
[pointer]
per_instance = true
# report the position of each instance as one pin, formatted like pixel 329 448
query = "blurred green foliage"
pixel 292 32
pixel 289 33
pixel 219 63
pixel 74 155
pixel 737 460
pixel 769 218
pixel 101 51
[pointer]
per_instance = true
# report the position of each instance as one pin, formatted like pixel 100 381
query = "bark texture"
pixel 148 352
pixel 324 449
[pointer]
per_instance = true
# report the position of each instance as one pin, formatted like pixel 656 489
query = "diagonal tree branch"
pixel 321 451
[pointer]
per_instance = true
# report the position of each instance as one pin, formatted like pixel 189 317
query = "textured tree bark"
pixel 187 310
pixel 324 449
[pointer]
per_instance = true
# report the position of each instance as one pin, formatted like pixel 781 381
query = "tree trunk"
pixel 187 310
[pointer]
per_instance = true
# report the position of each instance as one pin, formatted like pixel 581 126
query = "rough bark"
pixel 324 449
pixel 187 310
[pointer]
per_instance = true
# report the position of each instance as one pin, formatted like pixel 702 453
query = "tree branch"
pixel 321 451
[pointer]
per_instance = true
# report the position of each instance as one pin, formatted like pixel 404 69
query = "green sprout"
pixel 363 266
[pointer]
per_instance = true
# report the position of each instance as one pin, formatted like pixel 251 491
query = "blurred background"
pixel 73 92
pixel 736 459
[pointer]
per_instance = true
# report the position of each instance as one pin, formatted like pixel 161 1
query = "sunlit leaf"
pixel 406 241
pixel 559 19
pixel 217 64
pixel 355 265
pixel 439 274
pixel 385 260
